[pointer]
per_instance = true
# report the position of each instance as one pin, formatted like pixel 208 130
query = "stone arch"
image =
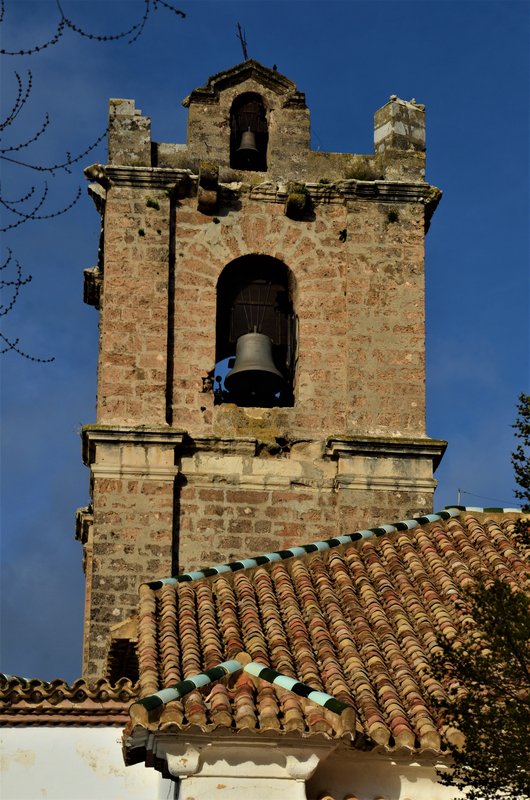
pixel 255 294
pixel 248 115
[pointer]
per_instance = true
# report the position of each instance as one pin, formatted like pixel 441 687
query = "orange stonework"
pixel 181 480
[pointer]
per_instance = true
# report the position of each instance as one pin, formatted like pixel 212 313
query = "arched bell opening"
pixel 255 334
pixel 249 133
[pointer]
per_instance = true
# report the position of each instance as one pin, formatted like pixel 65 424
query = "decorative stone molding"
pixel 181 180
pixel 377 463
pixel 239 767
pixel 395 447
pixel 237 446
pixel 344 191
pixel 84 533
pixel 84 520
pixel 149 452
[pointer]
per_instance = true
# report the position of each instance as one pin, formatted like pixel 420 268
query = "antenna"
pixel 242 39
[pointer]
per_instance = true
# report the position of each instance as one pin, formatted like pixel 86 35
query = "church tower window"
pixel 249 134
pixel 255 333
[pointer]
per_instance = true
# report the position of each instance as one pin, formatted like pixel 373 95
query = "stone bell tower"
pixel 243 230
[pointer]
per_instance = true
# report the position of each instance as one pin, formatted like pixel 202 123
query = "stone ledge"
pixel 92 435
pixel 380 446
pixel 385 484
pixel 185 181
pixel 143 177
pixel 342 191
pixel 246 445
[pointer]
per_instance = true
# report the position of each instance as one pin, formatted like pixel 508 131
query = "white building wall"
pixel 73 763
pixel 379 775
pixel 81 763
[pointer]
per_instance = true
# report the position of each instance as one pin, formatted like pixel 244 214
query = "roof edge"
pixel 326 544
pixel 299 550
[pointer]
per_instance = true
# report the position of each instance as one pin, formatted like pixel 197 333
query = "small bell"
pixel 254 379
pixel 247 145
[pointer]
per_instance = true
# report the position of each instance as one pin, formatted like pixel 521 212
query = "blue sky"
pixel 467 61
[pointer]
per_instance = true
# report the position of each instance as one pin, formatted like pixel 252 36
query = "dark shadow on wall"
pixel 170 367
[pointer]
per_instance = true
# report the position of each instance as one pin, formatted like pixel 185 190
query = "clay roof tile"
pixel 359 621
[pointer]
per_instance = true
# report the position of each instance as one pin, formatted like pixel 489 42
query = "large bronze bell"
pixel 247 145
pixel 254 379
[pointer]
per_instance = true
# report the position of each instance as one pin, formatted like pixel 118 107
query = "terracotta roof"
pixel 299 550
pixel 36 702
pixel 358 621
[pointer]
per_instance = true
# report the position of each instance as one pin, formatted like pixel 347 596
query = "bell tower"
pixel 261 377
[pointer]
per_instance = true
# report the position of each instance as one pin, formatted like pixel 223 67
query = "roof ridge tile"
pixel 321 545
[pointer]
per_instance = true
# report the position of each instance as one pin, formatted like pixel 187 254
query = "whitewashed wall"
pixel 71 763
pixel 379 775
pixel 245 767
pixel 68 763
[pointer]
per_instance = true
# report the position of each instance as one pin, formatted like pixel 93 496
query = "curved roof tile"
pixel 359 621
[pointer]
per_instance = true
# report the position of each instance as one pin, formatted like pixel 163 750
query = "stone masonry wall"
pixel 288 129
pixel 132 365
pixel 133 522
pixel 220 523
pixel 164 503
pixel 357 268
pixel 179 481
pixel 359 305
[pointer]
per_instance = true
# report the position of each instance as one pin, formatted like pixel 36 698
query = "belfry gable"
pixel 268 78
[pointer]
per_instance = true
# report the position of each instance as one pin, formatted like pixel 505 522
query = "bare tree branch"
pixel 20 209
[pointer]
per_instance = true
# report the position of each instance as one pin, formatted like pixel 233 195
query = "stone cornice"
pixel 286 757
pixel 184 181
pixel 93 435
pixel 392 191
pixel 151 177
pixel 246 445
pixel 386 447
pixel 342 191
pixel 143 177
